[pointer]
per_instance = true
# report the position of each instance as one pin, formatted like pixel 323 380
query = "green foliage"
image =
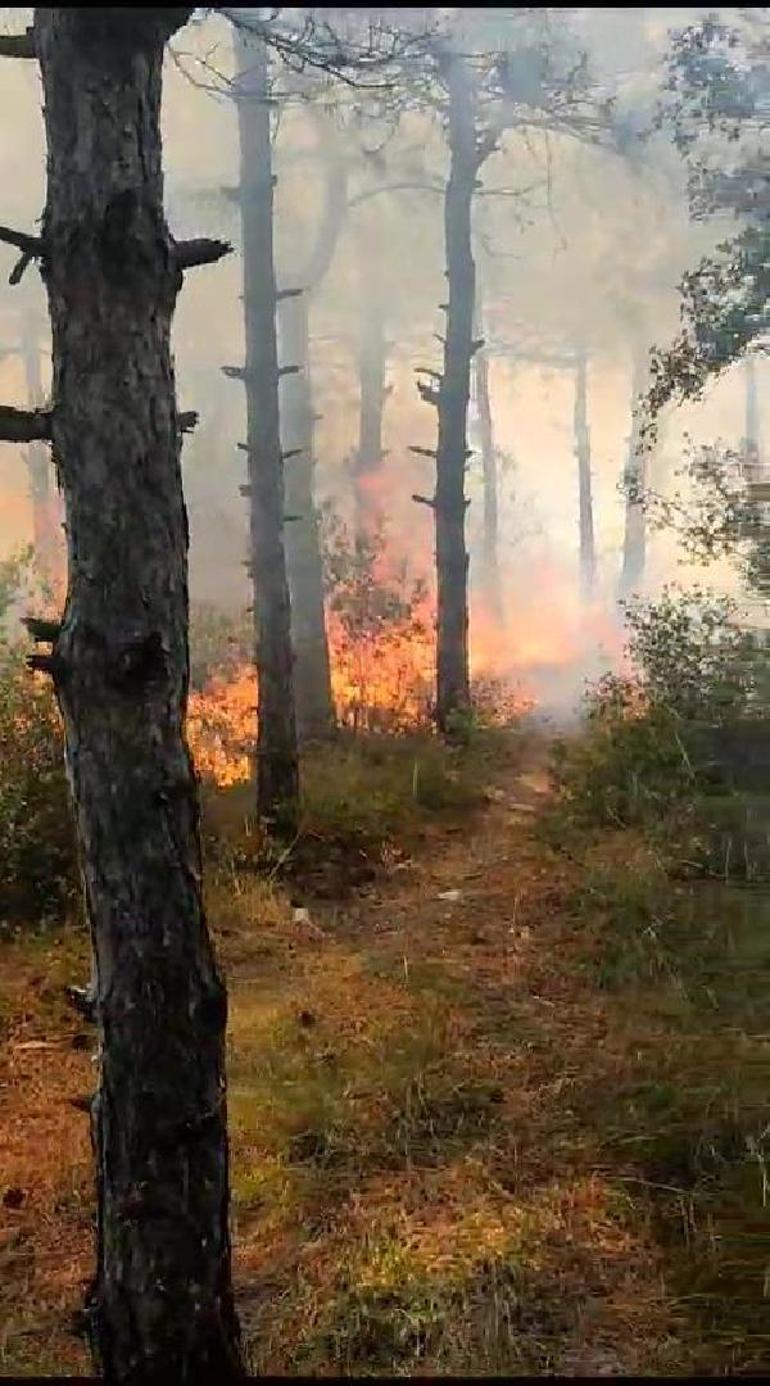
pixel 38 862
pixel 636 761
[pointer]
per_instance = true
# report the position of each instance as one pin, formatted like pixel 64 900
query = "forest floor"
pixel 485 1116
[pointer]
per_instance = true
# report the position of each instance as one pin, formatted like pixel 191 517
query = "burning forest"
pixel 384 736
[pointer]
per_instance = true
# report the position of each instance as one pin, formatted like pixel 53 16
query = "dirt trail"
pixel 419 1180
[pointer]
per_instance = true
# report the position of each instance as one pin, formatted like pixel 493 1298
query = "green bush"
pixel 640 754
pixel 38 861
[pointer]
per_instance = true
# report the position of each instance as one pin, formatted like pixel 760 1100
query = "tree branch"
pixel 199 252
pixel 187 421
pixel 424 500
pixel 44 632
pixel 24 425
pixel 18 45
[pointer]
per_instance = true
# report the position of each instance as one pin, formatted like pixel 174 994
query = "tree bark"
pixel 490 540
pixel 162 1306
pixel 46 509
pixel 635 537
pixel 277 767
pixel 371 374
pixel 453 680
pixel 312 669
pixel 583 454
pixel 313 688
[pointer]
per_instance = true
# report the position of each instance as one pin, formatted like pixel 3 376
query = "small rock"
pixel 306 1018
pixel 13 1198
pixel 449 895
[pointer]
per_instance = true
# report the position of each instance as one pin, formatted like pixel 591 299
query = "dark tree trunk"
pixel 371 369
pixel 583 454
pixel 313 689
pixel 635 537
pixel 312 670
pixel 490 552
pixel 277 771
pixel 453 682
pixel 47 538
pixel 162 1306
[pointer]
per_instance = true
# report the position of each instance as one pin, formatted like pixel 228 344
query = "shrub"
pixel 638 757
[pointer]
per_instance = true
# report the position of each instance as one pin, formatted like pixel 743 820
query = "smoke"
pixel 571 242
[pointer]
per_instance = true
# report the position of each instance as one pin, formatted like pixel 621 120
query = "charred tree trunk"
pixel 635 536
pixel 162 1306
pixel 277 770
pixel 490 552
pixel 369 457
pixel 583 454
pixel 313 689
pixel 453 680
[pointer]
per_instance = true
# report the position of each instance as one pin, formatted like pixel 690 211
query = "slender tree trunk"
pixel 453 681
pixel 371 367
pixel 277 770
pixel 490 551
pixel 47 541
pixel 162 1307
pixel 753 440
pixel 313 691
pixel 635 538
pixel 583 454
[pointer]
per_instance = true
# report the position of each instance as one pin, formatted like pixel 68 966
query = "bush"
pixel 38 860
pixel 638 757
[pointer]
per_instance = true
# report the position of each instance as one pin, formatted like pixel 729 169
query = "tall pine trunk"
pixel 753 445
pixel 313 690
pixel 635 536
pixel 371 374
pixel 453 681
pixel 585 497
pixel 490 539
pixel 277 769
pixel 47 538
pixel 162 1307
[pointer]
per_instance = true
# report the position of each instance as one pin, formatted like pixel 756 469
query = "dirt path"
pixel 419 1085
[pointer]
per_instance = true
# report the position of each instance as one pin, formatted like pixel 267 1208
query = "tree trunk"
pixel 313 689
pixel 490 553
pixel 583 454
pixel 162 1306
pixel 453 681
pixel 277 770
pixel 753 443
pixel 371 367
pixel 635 538
pixel 46 521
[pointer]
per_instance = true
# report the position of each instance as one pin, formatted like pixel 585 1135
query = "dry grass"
pixel 451 1113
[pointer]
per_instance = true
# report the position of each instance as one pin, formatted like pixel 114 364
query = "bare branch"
pixel 424 500
pixel 281 294
pixel 234 372
pixel 44 632
pixel 288 370
pixel 422 452
pixel 24 425
pixel 186 422
pixel 18 45
pixel 199 252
